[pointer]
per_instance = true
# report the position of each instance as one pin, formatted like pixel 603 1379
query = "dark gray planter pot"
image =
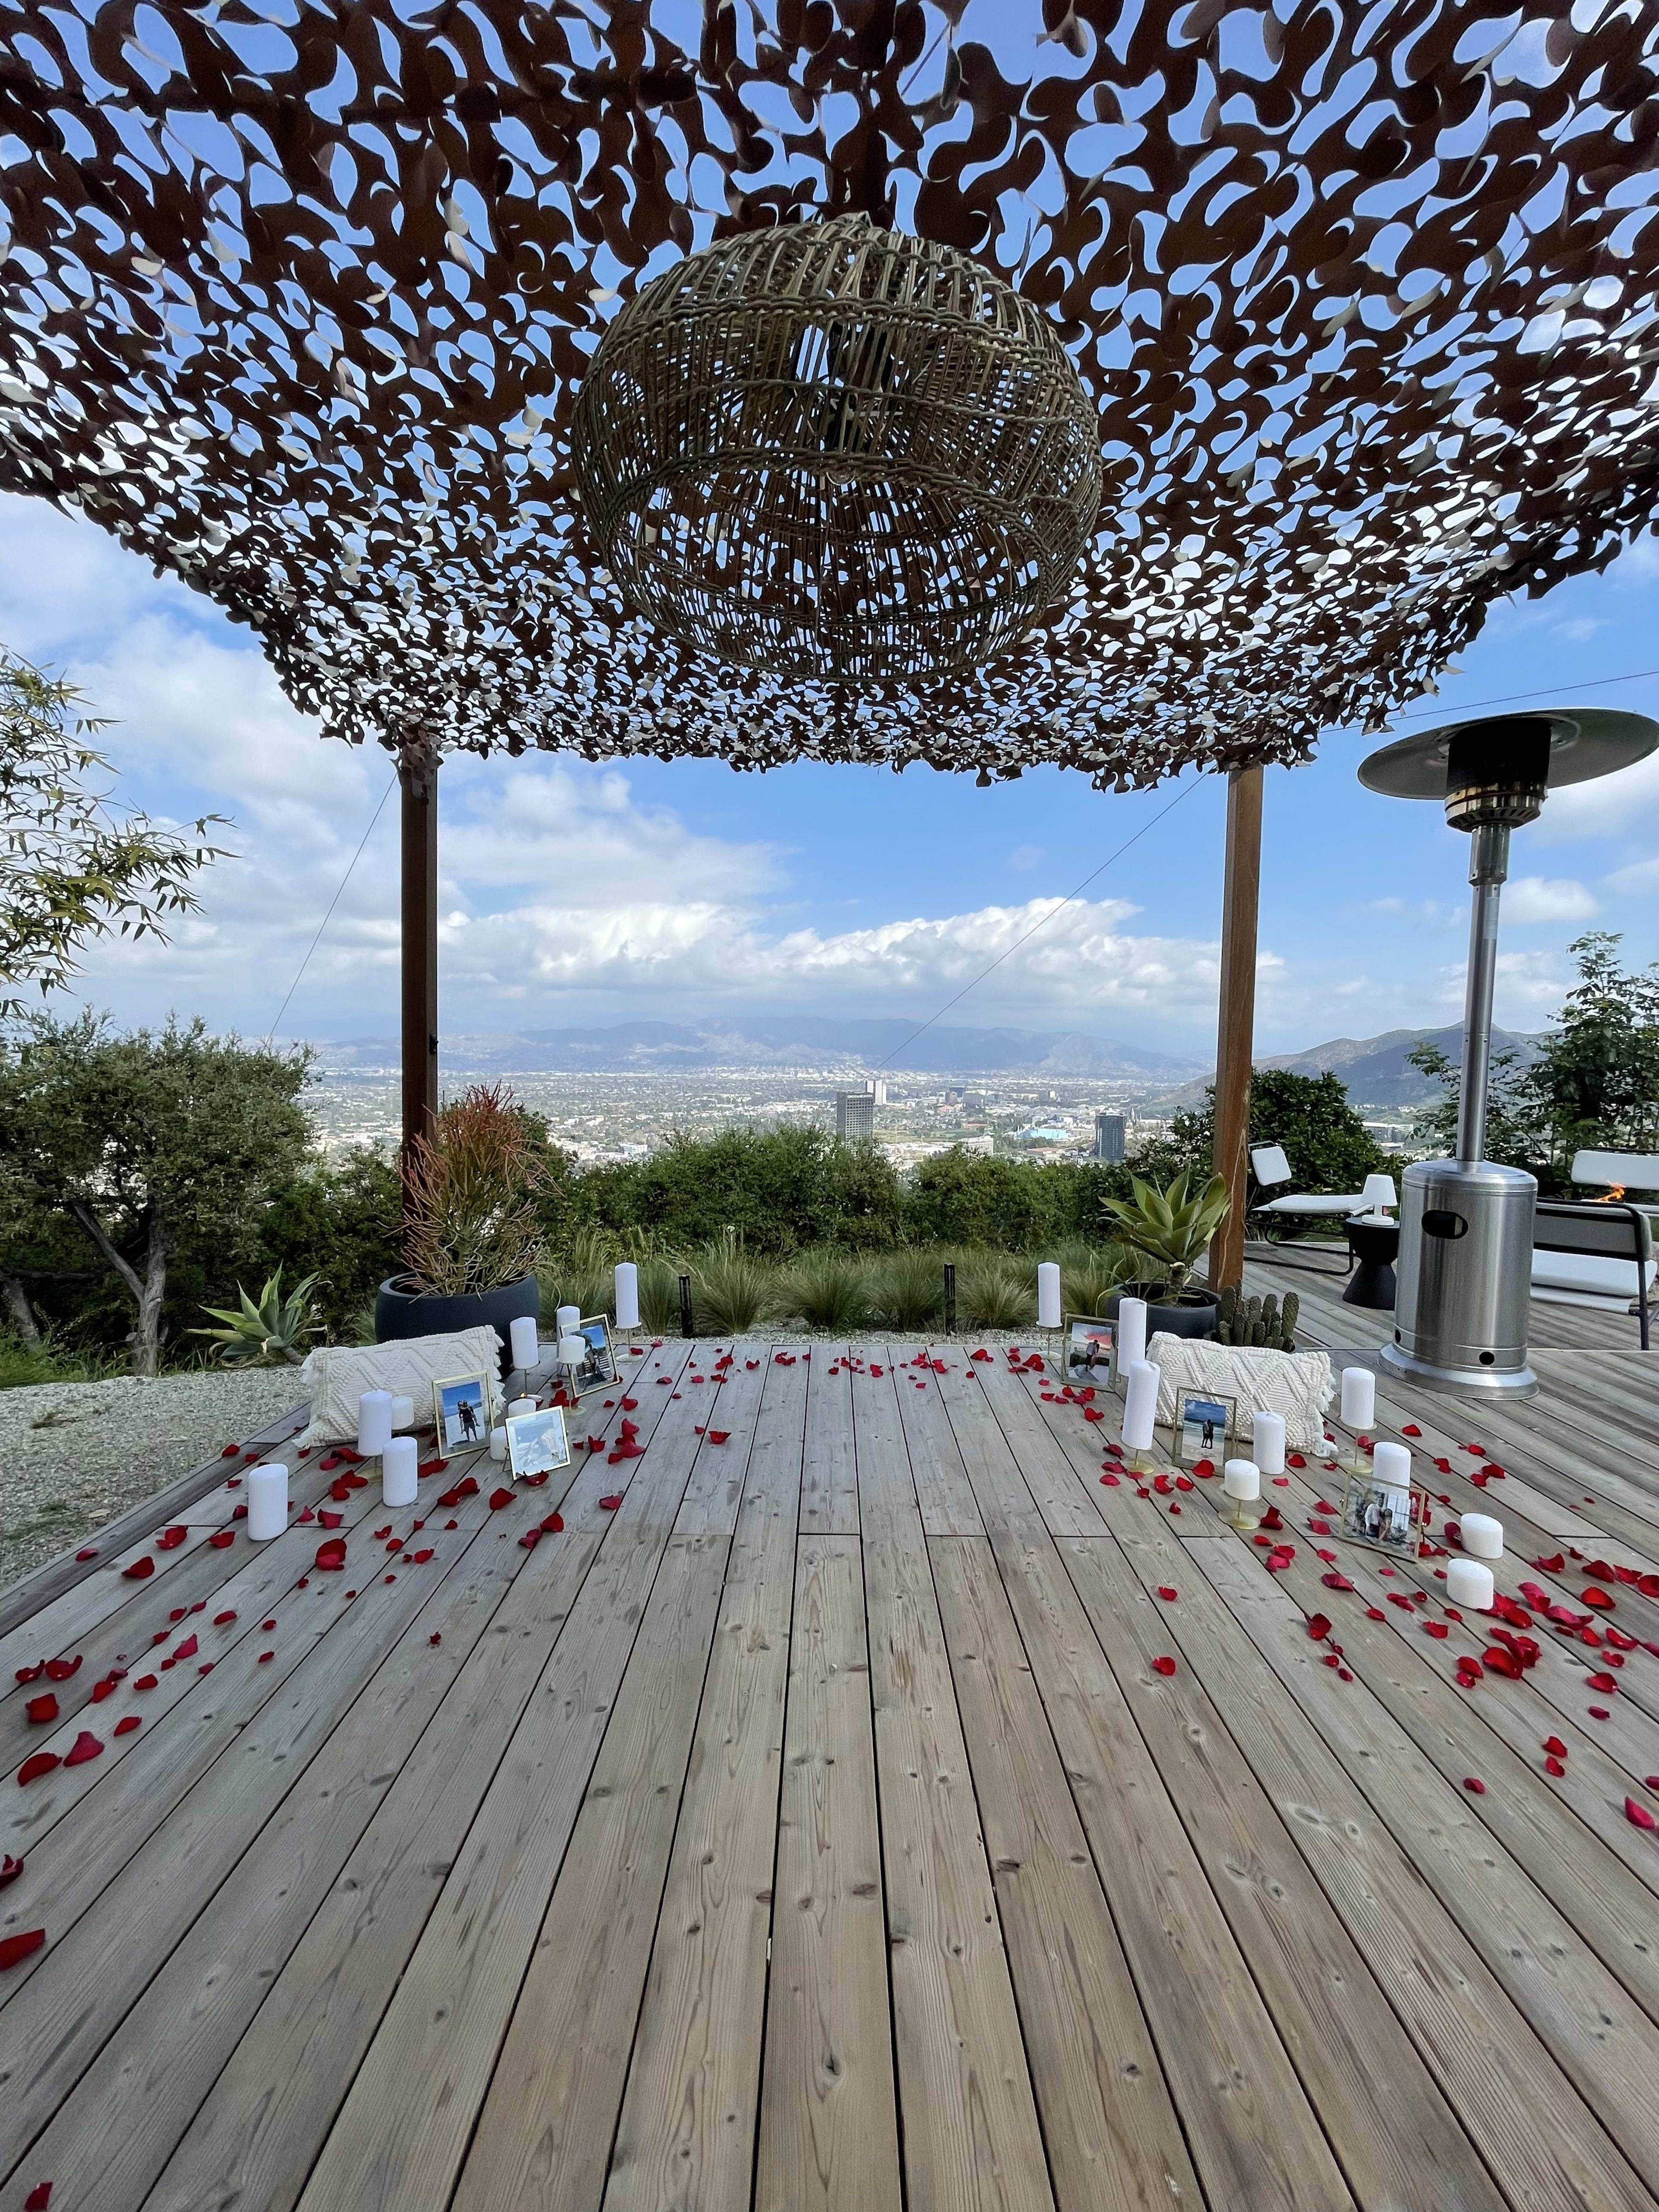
pixel 1194 1316
pixel 401 1312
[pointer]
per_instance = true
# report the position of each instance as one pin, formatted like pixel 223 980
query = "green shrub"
pixel 827 1290
pixel 730 1291
pixel 660 1295
pixel 51 1361
pixel 1088 1273
pixel 994 1293
pixel 1017 1206
pixel 907 1290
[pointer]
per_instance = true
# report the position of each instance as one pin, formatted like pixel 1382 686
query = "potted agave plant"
pixel 472 1234
pixel 1172 1229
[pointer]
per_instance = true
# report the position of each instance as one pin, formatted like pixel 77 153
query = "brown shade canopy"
pixel 298 299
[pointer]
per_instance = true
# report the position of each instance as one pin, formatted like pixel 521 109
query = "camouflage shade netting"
pixel 297 299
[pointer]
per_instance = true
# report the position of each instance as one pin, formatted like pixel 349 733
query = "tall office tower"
pixel 856 1115
pixel 1109 1137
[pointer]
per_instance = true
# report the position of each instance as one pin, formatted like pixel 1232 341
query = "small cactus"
pixel 1255 1320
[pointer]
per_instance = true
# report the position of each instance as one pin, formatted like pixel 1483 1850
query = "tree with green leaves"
pixel 154 1144
pixel 1329 1146
pixel 1594 1084
pixel 71 867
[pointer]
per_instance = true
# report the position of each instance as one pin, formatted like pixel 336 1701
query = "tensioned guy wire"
pixel 271 1032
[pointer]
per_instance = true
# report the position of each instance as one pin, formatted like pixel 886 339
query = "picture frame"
pixel 1204 1420
pixel 538 1443
pixel 462 1406
pixel 1371 1514
pixel 1090 1355
pixel 597 1369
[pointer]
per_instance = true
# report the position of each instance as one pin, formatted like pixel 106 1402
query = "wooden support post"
pixel 1235 1028
pixel 417 774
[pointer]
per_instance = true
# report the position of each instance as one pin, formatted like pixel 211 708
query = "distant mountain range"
pixel 807 1041
pixel 1375 1069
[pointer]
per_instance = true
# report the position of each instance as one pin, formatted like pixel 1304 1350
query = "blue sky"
pixel 678 891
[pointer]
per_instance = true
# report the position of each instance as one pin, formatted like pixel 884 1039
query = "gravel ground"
pixel 74 1455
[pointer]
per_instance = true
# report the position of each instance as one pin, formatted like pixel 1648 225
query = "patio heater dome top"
pixel 831 451
pixel 1572 744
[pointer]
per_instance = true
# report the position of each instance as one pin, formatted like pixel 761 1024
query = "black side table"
pixel 1374 1243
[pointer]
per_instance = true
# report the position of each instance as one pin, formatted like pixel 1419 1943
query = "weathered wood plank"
pixel 686 2133
pixel 971 2139
pixel 1595 2033
pixel 1115 2143
pixel 829 2123
pixel 446 2023
pixel 829 1488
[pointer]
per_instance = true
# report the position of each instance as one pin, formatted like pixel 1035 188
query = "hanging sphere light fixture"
pixel 829 451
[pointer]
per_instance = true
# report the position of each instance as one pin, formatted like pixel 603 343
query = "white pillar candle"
pixel 267 1502
pixel 399 1470
pixel 1131 1333
pixel 627 1295
pixel 1242 1479
pixel 1467 1583
pixel 572 1350
pixel 373 1422
pixel 1047 1295
pixel 517 1406
pixel 525 1350
pixel 1267 1440
pixel 1359 1397
pixel 566 1319
pixel 1482 1535
pixel 403 1412
pixel 498 1444
pixel 1140 1405
pixel 1391 1464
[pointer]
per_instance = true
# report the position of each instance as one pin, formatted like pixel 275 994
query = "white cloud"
pixel 1639 880
pixel 1606 808
pixel 1557 898
pixel 1027 856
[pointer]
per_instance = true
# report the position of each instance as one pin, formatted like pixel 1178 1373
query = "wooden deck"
pixel 824 1825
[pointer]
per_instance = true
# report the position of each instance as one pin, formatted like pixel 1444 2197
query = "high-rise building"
pixel 1109 1133
pixel 856 1115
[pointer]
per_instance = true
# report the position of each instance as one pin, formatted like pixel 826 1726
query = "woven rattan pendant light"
pixel 825 450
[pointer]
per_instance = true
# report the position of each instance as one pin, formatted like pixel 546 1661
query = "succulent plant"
pixel 1255 1319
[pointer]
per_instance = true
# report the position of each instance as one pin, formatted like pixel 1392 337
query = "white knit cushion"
pixel 1295 1384
pixel 337 1376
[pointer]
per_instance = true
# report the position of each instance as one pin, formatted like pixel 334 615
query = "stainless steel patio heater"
pixel 1466 1225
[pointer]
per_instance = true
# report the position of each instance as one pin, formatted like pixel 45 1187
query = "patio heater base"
pixel 1478 1382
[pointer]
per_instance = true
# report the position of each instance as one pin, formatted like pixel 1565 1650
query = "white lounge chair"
pixel 1599 1252
pixel 1269 1168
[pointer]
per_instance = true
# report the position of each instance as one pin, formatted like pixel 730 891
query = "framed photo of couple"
pixel 462 1407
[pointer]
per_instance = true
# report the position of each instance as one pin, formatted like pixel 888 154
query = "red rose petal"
pixel 187 1649
pixel 1475 1789
pixel 435 1639
pixel 1165 1665
pixel 498 1499
pixel 220 1619
pixel 222 1539
pixel 39 2198
pixel 1167 1596
pixel 170 1539
pixel 1554 1767
pixel 1600 1713
pixel 90 1552
pixel 1605 1683
pixel 420 1557
pixel 610 1504
pixel 39 1763
pixel 15 1948
pixel 1318 1626
pixel 719 1436
pixel 139 1570
pixel 10 1868
pixel 553 1524
pixel 42 1710
pixel 86 1746
pixel 1553 1743
pixel 1639 1817
pixel 1435 1628
pixel 146 1682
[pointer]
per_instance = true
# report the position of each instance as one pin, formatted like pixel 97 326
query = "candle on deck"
pixel 566 1319
pixel 1482 1535
pixel 572 1350
pixel 1242 1479
pixel 399 1472
pixel 1469 1583
pixel 1131 1333
pixel 1140 1405
pixel 267 1502
pixel 403 1412
pixel 373 1422
pixel 1267 1440
pixel 498 1444
pixel 517 1406
pixel 1359 1398
pixel 525 1350
pixel 1048 1295
pixel 627 1295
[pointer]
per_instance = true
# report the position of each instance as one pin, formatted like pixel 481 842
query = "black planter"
pixel 399 1312
pixel 1192 1313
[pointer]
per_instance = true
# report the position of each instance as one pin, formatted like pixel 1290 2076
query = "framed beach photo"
pixel 596 1368
pixel 1090 1351
pixel 537 1442
pixel 1387 1515
pixel 460 1408
pixel 1204 1421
